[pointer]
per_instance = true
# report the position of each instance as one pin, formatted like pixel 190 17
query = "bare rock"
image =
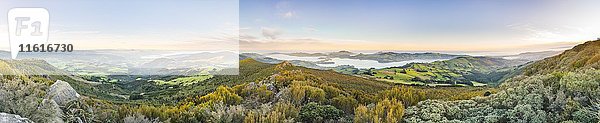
pixel 55 109
pixel 62 93
pixel 12 118
pixel 283 65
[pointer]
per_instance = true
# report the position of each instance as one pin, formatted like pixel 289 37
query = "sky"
pixel 136 24
pixel 417 25
pixel 295 25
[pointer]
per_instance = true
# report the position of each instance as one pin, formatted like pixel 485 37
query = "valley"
pixel 300 61
pixel 416 69
pixel 268 89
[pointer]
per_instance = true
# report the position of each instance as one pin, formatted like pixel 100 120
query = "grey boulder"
pixel 11 118
pixel 62 93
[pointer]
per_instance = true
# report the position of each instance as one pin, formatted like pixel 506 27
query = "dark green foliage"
pixel 586 116
pixel 135 96
pixel 487 93
pixel 313 112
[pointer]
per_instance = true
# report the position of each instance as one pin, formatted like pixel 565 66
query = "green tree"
pixel 313 112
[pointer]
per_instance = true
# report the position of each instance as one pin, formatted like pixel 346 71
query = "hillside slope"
pixel 28 67
pixel 563 88
pixel 585 55
pixel 481 69
pixel 460 71
pixel 261 92
pixel 286 93
pixel 478 64
pixel 254 71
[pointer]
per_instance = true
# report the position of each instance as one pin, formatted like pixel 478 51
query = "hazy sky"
pixel 440 25
pixel 416 25
pixel 136 24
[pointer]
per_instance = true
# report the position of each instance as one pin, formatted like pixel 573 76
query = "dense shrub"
pixel 278 113
pixel 313 112
pixel 222 94
pixel 387 110
pixel 551 97
pixel 138 118
pixel 345 103
pixel 25 98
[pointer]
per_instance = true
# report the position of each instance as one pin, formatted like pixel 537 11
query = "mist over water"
pixel 366 64
pixel 471 53
pixel 358 63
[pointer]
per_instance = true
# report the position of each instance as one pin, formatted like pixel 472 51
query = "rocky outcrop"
pixel 11 118
pixel 284 65
pixel 55 109
pixel 62 93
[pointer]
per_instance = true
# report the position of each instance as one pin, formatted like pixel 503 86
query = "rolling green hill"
pixel 563 88
pixel 28 67
pixel 582 56
pixel 282 91
pixel 461 71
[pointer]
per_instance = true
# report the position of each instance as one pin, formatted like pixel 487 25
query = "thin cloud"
pixel 288 15
pixel 310 29
pixel 271 33
pixel 282 5
pixel 554 33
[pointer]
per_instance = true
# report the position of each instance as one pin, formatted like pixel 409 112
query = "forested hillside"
pixel 261 93
pixel 297 94
pixel 563 88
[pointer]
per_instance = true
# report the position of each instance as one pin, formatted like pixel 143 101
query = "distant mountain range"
pixel 531 56
pixel 459 69
pixel 137 62
pixel 381 57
